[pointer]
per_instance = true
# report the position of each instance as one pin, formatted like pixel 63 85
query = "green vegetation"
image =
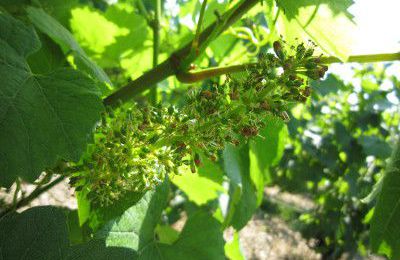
pixel 154 110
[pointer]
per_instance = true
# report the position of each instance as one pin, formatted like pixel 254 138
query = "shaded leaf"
pixel 42 117
pixel 329 85
pixel 375 146
pixel 41 233
pixel 135 227
pixel 385 226
pixel 64 38
pixel 242 191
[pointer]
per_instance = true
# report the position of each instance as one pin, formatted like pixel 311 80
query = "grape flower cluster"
pixel 137 147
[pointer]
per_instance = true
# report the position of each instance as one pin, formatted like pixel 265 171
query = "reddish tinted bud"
pixel 142 126
pixel 264 105
pixel 213 157
pixel 287 66
pixel 206 94
pixel 300 51
pixel 278 50
pixel 234 95
pixel 309 53
pixel 201 146
pixel 277 46
pixel 321 72
pixel 307 91
pixel 285 116
pixel 310 64
pixel 235 142
pixel 302 98
pixel 197 160
pixel 250 131
pixel 313 74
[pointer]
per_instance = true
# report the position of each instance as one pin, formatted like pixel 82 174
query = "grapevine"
pixel 136 147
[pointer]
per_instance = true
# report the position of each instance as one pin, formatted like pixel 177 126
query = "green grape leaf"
pixel 166 234
pixel 201 234
pixel 293 8
pixel 96 217
pixel 385 225
pixel 243 191
pixel 233 249
pixel 37 233
pixel 59 9
pixel 199 189
pixel 41 233
pixel 49 58
pixel 89 26
pixel 329 85
pixel 267 151
pixel 210 170
pixel 375 146
pixel 126 32
pixel 136 228
pixel 64 38
pixel 327 23
pixel 42 117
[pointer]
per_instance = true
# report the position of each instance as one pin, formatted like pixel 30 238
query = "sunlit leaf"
pixel 318 21
pixel 63 37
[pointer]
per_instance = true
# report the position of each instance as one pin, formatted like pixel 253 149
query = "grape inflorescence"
pixel 137 147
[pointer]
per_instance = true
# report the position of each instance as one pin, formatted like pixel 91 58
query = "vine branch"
pixel 36 193
pixel 195 43
pixel 172 65
pixel 191 77
pixel 155 24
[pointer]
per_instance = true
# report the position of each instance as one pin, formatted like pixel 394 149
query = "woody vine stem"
pixel 178 63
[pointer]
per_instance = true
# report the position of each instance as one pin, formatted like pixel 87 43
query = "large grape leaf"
pixel 41 233
pixel 326 22
pixel 126 32
pixel 59 9
pixel 243 187
pixel 247 167
pixel 267 151
pixel 135 229
pixel 385 226
pixel 64 38
pixel 199 189
pixel 42 117
pixel 37 233
pixel 233 250
pixel 202 234
pixel 375 146
pixel 203 186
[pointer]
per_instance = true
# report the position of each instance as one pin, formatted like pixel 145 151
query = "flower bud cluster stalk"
pixel 137 148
